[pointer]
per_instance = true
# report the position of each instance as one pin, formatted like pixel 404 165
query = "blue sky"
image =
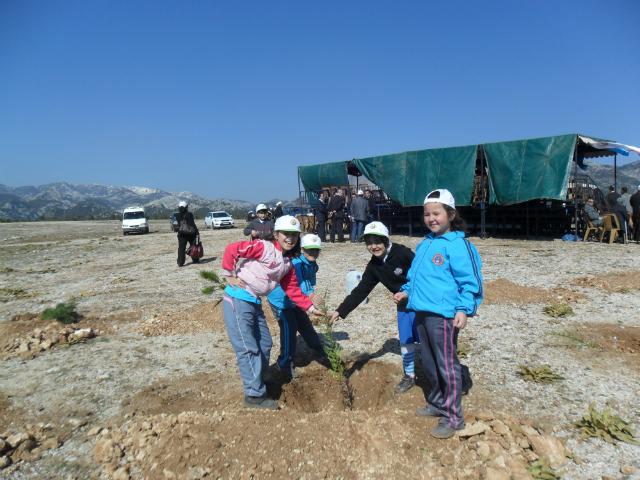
pixel 225 99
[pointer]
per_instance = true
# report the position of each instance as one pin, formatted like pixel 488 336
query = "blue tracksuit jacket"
pixel 306 273
pixel 445 277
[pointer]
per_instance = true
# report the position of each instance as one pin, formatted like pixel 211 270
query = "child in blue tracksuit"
pixel 444 287
pixel 293 319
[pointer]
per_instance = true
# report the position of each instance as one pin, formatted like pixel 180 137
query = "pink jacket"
pixel 264 268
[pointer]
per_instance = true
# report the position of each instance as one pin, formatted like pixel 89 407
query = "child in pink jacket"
pixel 268 263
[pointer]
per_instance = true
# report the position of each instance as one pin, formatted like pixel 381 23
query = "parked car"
pixel 295 211
pixel 218 220
pixel 173 222
pixel 134 219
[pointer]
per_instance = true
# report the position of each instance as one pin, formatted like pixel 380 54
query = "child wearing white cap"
pixel 389 265
pixel 444 287
pixel 291 318
pixel 269 263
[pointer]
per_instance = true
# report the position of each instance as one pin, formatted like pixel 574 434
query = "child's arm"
pixel 465 267
pixel 289 284
pixel 237 250
pixel 358 294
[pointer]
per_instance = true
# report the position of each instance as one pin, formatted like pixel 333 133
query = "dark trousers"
pixel 293 321
pixel 438 348
pixel 322 226
pixel 336 226
pixel 636 227
pixel 182 246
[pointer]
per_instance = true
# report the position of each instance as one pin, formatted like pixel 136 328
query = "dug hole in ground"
pixel 154 392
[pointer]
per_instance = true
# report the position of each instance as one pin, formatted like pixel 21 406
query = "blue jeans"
pixel 251 340
pixel 353 230
pixel 358 226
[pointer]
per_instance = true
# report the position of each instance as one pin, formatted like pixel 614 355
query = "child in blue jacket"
pixel 444 287
pixel 293 319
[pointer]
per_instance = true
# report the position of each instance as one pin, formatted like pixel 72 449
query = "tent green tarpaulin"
pixel 407 177
pixel 522 170
pixel 317 177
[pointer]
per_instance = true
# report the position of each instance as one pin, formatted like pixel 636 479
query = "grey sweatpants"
pixel 439 349
pixel 251 340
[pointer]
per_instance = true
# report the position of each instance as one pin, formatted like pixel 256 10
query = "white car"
pixel 218 220
pixel 134 219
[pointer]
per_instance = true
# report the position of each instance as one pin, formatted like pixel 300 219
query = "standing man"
pixel 260 227
pixel 634 201
pixel 278 212
pixel 336 213
pixel 371 203
pixel 621 212
pixel 359 208
pixel 321 216
pixel 611 197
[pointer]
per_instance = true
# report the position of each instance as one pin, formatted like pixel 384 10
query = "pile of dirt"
pixel 614 282
pixel 199 318
pixel 26 443
pixel 505 291
pixel 613 337
pixel 195 428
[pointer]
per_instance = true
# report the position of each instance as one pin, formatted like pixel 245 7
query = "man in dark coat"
pixel 336 213
pixel 634 201
pixel 278 212
pixel 183 237
pixel 359 212
pixel 321 217
pixel 621 212
pixel 611 197
pixel 371 205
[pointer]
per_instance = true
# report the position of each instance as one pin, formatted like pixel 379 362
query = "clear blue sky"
pixel 225 99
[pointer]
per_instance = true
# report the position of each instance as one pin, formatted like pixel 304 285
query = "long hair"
pixel 295 252
pixel 457 222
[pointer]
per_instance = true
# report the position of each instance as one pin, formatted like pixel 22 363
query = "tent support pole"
pixel 410 223
pixel 483 233
pixel 575 189
pixel 615 173
pixel 299 191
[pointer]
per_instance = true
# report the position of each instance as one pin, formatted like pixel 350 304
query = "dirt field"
pixel 156 394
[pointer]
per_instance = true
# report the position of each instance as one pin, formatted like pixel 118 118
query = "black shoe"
pixel 181 265
pixel 289 372
pixel 425 412
pixel 263 403
pixel 405 384
pixel 467 382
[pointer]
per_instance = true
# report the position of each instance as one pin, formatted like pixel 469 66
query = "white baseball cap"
pixel 638 187
pixel 376 228
pixel 360 192
pixel 182 204
pixel 287 223
pixel 279 203
pixel 311 241
pixel 445 198
pixel 261 206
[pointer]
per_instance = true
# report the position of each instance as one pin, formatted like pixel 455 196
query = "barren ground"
pixel 160 377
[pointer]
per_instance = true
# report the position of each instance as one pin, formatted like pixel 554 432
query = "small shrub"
pixel 64 313
pixel 556 310
pixel 624 290
pixel 541 374
pixel 6 270
pixel 207 290
pixel 606 426
pixel 540 470
pixel 463 350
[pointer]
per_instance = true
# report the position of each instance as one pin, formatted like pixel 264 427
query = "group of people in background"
pixel 625 206
pixel 358 211
pixel 280 263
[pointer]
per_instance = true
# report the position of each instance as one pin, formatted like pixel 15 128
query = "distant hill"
pixel 627 175
pixel 67 200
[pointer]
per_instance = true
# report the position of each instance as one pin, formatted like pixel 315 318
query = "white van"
pixel 134 219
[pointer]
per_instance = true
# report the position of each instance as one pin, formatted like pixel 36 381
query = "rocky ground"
pixel 155 394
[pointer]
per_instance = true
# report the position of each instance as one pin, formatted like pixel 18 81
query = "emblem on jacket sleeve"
pixel 438 259
pixel 398 271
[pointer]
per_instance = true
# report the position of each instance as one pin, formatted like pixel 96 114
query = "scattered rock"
pixel 628 470
pixel 15 440
pixel 50 444
pixel 495 474
pixel 548 446
pixel 4 462
pixel 3 446
pixel 475 429
pixel 77 422
pixel 94 431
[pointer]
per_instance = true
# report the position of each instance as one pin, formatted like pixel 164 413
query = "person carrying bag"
pixel 187 232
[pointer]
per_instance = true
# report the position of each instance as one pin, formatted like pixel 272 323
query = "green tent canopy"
pixel 317 177
pixel 407 177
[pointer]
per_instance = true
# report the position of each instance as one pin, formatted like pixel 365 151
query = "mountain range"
pixel 67 200
pixel 71 201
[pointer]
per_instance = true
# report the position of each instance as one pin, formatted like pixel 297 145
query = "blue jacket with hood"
pixel 306 273
pixel 445 277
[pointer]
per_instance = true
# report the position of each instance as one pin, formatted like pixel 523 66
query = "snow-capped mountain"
pixel 63 199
